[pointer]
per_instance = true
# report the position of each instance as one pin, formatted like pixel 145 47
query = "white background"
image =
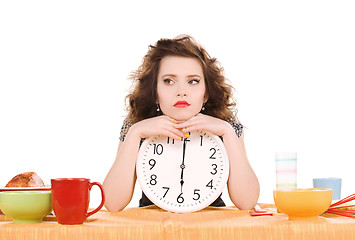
pixel 64 68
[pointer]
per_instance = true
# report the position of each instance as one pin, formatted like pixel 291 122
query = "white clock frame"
pixel 205 171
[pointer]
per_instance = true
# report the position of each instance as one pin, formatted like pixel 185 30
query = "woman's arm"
pixel 120 180
pixel 243 185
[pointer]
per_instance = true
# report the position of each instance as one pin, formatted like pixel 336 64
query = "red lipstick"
pixel 181 104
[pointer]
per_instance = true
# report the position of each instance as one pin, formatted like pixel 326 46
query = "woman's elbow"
pixel 112 208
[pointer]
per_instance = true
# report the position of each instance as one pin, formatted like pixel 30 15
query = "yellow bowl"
pixel 303 204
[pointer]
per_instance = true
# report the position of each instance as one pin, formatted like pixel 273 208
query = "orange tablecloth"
pixel 210 223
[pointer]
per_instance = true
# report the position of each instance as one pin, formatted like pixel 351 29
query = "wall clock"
pixel 183 176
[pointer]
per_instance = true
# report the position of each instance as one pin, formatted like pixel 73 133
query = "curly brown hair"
pixel 142 100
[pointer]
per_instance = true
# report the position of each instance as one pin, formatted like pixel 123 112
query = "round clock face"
pixel 183 176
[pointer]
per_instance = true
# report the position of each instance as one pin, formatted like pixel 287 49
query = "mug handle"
pixel 102 199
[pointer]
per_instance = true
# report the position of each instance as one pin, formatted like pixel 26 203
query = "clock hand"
pixel 182 177
pixel 182 166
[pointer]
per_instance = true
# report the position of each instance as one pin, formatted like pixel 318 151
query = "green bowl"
pixel 26 206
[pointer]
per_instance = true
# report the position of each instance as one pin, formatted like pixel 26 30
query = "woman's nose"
pixel 181 91
pixel 182 94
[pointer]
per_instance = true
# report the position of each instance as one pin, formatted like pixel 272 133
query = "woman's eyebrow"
pixel 169 75
pixel 193 75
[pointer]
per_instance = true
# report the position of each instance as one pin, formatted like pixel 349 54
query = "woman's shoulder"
pixel 237 126
pixel 124 129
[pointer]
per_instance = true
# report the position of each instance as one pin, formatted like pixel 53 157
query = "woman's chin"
pixel 181 118
pixel 181 114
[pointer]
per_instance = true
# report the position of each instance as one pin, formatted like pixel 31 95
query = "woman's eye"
pixel 194 81
pixel 168 81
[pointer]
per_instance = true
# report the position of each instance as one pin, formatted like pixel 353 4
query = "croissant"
pixel 26 179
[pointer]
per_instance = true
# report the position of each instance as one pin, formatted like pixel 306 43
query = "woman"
pixel 179 88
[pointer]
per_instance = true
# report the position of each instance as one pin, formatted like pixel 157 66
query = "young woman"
pixel 178 89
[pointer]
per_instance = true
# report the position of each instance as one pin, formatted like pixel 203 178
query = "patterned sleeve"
pixel 125 127
pixel 237 126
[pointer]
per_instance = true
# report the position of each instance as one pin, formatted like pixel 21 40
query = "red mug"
pixel 71 197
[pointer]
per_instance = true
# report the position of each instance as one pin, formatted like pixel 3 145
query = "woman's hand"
pixel 207 123
pixel 161 125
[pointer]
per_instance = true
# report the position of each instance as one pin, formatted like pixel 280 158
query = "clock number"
pixel 201 137
pixel 158 149
pixel 153 179
pixel 196 193
pixel 214 152
pixel 180 199
pixel 172 141
pixel 167 190
pixel 209 184
pixel 214 168
pixel 152 163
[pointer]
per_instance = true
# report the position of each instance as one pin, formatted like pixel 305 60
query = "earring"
pixel 203 107
pixel 158 108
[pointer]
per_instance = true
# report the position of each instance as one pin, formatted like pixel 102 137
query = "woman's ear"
pixel 205 98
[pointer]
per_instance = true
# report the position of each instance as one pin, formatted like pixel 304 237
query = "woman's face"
pixel 181 87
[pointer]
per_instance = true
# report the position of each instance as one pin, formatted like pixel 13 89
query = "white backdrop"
pixel 64 67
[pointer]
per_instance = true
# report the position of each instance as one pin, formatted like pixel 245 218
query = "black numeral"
pixel 172 141
pixel 167 190
pixel 153 179
pixel 214 152
pixel 152 163
pixel 210 184
pixel 158 149
pixel 197 194
pixel 201 138
pixel 180 199
pixel 214 168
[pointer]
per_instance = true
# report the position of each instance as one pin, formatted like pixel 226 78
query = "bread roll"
pixel 26 179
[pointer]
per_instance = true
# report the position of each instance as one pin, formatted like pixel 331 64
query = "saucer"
pixel 6 189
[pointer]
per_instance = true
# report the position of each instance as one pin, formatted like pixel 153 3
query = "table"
pixel 211 223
